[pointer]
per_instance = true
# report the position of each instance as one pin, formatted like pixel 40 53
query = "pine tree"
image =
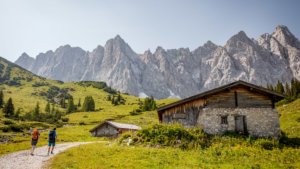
pixel 53 109
pixel 79 104
pixel 109 98
pixel 88 104
pixel 119 97
pixel 36 112
pixel 295 88
pixel 279 87
pixel 287 90
pixel 71 106
pixel 1 99
pixel 149 104
pixel 92 104
pixel 114 101
pixel 8 108
pixel 63 103
pixel 47 108
pixel 17 113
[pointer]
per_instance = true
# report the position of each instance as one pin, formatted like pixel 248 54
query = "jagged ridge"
pixel 175 72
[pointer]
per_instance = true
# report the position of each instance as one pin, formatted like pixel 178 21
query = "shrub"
pixel 13 83
pixel 59 124
pixel 8 122
pixel 65 119
pixel 18 127
pixel 5 129
pixel 135 112
pixel 110 90
pixel 98 85
pixel 38 84
pixel 170 135
pixel 82 123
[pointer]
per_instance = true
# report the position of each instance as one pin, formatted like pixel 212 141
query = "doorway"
pixel 240 124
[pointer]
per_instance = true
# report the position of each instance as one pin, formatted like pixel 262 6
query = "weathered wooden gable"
pixel 239 96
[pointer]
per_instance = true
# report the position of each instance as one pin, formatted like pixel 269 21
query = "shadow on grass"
pixel 289 142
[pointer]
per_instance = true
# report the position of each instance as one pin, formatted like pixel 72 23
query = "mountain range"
pixel 175 72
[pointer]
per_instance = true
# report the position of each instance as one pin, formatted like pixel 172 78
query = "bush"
pixel 82 123
pixel 38 84
pixel 135 112
pixel 13 83
pixel 65 119
pixel 8 122
pixel 98 85
pixel 110 90
pixel 170 135
pixel 18 127
pixel 5 129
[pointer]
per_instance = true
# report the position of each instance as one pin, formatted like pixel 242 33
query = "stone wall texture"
pixel 105 130
pixel 259 122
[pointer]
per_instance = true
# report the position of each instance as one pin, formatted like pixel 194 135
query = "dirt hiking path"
pixel 23 159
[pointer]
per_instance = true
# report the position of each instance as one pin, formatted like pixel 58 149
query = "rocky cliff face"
pixel 175 72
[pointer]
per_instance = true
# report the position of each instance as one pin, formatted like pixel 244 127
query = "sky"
pixel 35 26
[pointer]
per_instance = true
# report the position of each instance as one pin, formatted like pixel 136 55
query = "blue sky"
pixel 35 26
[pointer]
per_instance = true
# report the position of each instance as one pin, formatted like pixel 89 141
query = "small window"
pixel 224 120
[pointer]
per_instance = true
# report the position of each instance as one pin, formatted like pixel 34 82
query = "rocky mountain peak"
pixel 24 55
pixel 175 72
pixel 210 45
pixel 238 42
pixel 285 37
pixel 240 36
pixel 25 61
pixel 283 29
pixel 159 49
pixel 148 52
pixel 117 43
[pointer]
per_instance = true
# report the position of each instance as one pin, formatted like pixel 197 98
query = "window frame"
pixel 224 120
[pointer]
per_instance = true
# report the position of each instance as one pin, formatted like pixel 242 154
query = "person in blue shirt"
pixel 51 140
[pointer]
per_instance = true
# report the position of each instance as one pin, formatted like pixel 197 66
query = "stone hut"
pixel 112 129
pixel 237 107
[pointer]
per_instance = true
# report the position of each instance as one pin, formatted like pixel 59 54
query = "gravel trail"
pixel 23 159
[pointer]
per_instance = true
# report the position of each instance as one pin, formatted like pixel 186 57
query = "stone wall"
pixel 261 122
pixel 105 130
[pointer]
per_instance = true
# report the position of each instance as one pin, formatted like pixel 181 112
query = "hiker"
pixel 51 140
pixel 34 139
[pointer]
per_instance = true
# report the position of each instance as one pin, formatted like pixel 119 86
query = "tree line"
pixel 290 90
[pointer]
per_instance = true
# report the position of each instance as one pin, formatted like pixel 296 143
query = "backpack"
pixel 35 135
pixel 51 136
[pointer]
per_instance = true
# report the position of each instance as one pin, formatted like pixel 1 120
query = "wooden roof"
pixel 118 126
pixel 276 96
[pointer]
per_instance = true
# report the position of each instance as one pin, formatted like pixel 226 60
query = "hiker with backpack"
pixel 51 140
pixel 34 139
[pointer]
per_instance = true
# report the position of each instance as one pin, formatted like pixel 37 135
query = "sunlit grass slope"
pixel 217 156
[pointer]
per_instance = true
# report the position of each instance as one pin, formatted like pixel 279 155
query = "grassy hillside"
pixel 217 156
pixel 27 89
pixel 290 118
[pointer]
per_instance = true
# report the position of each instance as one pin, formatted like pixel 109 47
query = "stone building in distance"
pixel 112 129
pixel 237 107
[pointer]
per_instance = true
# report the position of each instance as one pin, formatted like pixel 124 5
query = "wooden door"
pixel 240 124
